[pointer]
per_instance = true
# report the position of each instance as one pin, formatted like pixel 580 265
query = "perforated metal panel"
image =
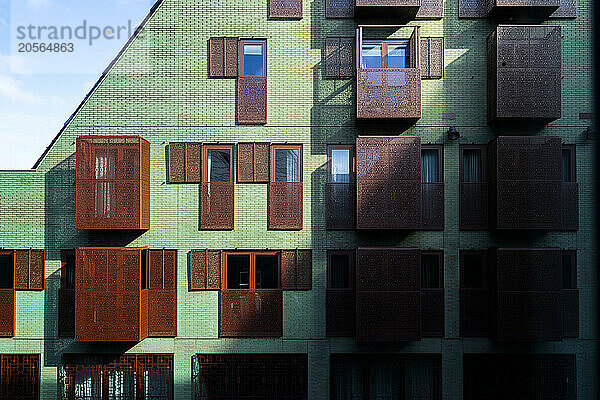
pixel 162 313
pixel 432 206
pixel 250 376
pixel 184 162
pixel 246 313
pixel 176 154
pixel 66 312
pixel 296 269
pixel 285 9
pixel 339 57
pixel 20 376
pixel 569 200
pixel 511 8
pixel 341 312
pixel 231 57
pixel 570 313
pixel 29 269
pixel 253 162
pixel 205 270
pixel 216 56
pixel 474 206
pixel 431 9
pixel 389 93
pixel 340 205
pixel 472 8
pixel 252 100
pixel 285 205
pixel 7 312
pixel 528 269
pixel 432 312
pixel 339 8
pixel 567 9
pixel 475 312
pixel 217 204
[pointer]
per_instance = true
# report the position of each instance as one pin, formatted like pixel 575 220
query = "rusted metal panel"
pixel 377 8
pixel 432 206
pixel 285 206
pixel 304 269
pixel 155 269
pixel 341 312
pixel 205 269
pixel 252 100
pixel 567 9
pixel 176 156
pixel 503 9
pixel 570 313
pixel 113 188
pixel 216 57
pixel 245 164
pixel 431 9
pixel 529 158
pixel 288 269
pixel 388 93
pixel 474 206
pixel 569 200
pixel 472 8
pixel 231 57
pixel 340 205
pixel 66 312
pixel 339 8
pixel 7 312
pixel 388 316
pixel 285 9
pixel 217 206
pixel 193 157
pixel 261 162
pixel 528 269
pixel 250 376
pixel 475 312
pixel 432 313
pixel 21 281
pixel 339 57
pixel 246 313
pixel 385 269
pixel 20 376
pixel 162 313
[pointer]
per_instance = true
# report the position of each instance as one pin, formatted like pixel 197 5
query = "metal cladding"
pixel 250 376
pixel 341 312
pixel 341 205
pixel 339 8
pixel 7 312
pixel 247 313
pixel 509 8
pixel 524 72
pixel 184 162
pixel 252 100
pixel 66 312
pixel 474 206
pixel 162 293
pixel 205 270
pixel 217 205
pixel 29 269
pixel 253 162
pixel 285 206
pixel 388 93
pixel 223 57
pixel 20 376
pixel 339 57
pixel 296 269
pixel 132 376
pixel 113 182
pixel 432 57
pixel 291 9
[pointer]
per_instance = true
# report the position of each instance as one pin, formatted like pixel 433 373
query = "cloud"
pixel 39 4
pixel 13 90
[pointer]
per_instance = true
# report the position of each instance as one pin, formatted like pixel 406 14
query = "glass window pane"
pixel 253 60
pixel 371 56
pixel 6 272
pixel 430 271
pixel 397 56
pixel 238 271
pixel 286 165
pixel 266 271
pixel 566 165
pixel 472 271
pixel 340 166
pixel 219 164
pixel 472 166
pixel 339 271
pixel 429 166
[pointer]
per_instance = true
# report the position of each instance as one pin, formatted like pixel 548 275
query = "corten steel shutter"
pixel 216 58
pixel 388 294
pixel 341 312
pixel 414 47
pixel 474 312
pixel 431 9
pixel 570 313
pixel 176 156
pixel 432 57
pixel 569 200
pixel 341 205
pixel 388 183
pixel 432 206
pixel 296 269
pixel 217 206
pixel 473 210
pixel 29 269
pixel 285 9
pixel 20 376
pixel 162 293
pixel 205 270
pixel 246 313
pixel 339 57
pixel 253 162
pixel 285 205
pixel 252 100
pixel 231 57
pixel 193 157
pixel 256 376
pixel 184 162
pixel 339 8
pixel 7 312
pixel 432 312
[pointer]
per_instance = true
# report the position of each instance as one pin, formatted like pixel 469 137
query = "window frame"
pixel 440 256
pixel 440 152
pixel 274 148
pixel 241 44
pixel 484 268
pixel 252 254
pixel 573 255
pixel 483 151
pixel 384 52
pixel 351 160
pixel 573 166
pixel 205 149
pixel 351 268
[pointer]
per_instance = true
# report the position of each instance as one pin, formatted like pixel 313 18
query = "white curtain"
pixel 429 166
pixel 104 170
pixel 472 166
pixel 340 166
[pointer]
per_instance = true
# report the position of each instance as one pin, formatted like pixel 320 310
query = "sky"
pixel 39 92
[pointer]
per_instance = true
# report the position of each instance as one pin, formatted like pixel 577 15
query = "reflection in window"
pixel 430 166
pixel 266 271
pixel 287 168
pixel 219 165
pixel 238 271
pixel 472 271
pixel 472 168
pixel 372 56
pixel 340 166
pixel 253 60
pixel 397 56
pixel 385 54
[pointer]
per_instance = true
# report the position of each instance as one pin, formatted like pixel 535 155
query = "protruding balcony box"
pixel 407 8
pixel 522 8
pixel 524 73
pixel 526 186
pixel 110 304
pixel 530 302
pixel 388 76
pixel 113 182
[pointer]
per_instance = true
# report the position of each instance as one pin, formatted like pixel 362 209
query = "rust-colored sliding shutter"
pixel 162 293
pixel 205 270
pixel 414 45
pixel 29 269
pixel 339 57
pixel 231 57
pixel 252 100
pixel 7 312
pixel 285 206
pixel 217 205
pixel 216 51
pixel 184 162
pixel 253 162
pixel 339 8
pixel 296 269
pixel 285 9
pixel 21 269
pixel 176 157
pixel 432 57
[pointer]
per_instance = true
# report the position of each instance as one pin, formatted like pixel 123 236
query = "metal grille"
pixel 29 269
pixel 472 8
pixel 524 64
pixel 432 57
pixel 341 312
pixel 253 162
pixel 66 312
pixel 184 162
pixel 432 312
pixel 123 377
pixel 285 205
pixel 473 206
pixel 217 206
pixel 7 312
pixel 519 376
pixel 474 312
pixel 162 293
pixel 112 179
pixel 252 100
pixel 216 57
pixel 339 57
pixel 246 313
pixel 339 8
pixel 431 9
pixel 296 269
pixel 231 57
pixel 20 376
pixel 389 93
pixel 205 269
pixel 432 201
pixel 340 206
pixel 250 376
pixel 285 9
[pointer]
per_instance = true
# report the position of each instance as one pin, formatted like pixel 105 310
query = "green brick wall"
pixel 159 89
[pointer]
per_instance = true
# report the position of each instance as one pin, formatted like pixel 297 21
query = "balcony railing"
pixel 217 205
pixel 246 313
pixel 392 93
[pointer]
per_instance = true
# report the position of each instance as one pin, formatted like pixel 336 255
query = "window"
pixel 472 270
pixel 431 270
pixel 431 164
pixel 218 165
pixel 341 164
pixel 252 58
pixel 568 163
pixel 472 167
pixel 340 273
pixel 286 163
pixel 385 54
pixel 67 272
pixel 6 269
pixel 253 270
pixel 569 269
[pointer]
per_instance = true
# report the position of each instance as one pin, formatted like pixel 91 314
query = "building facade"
pixel 317 199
